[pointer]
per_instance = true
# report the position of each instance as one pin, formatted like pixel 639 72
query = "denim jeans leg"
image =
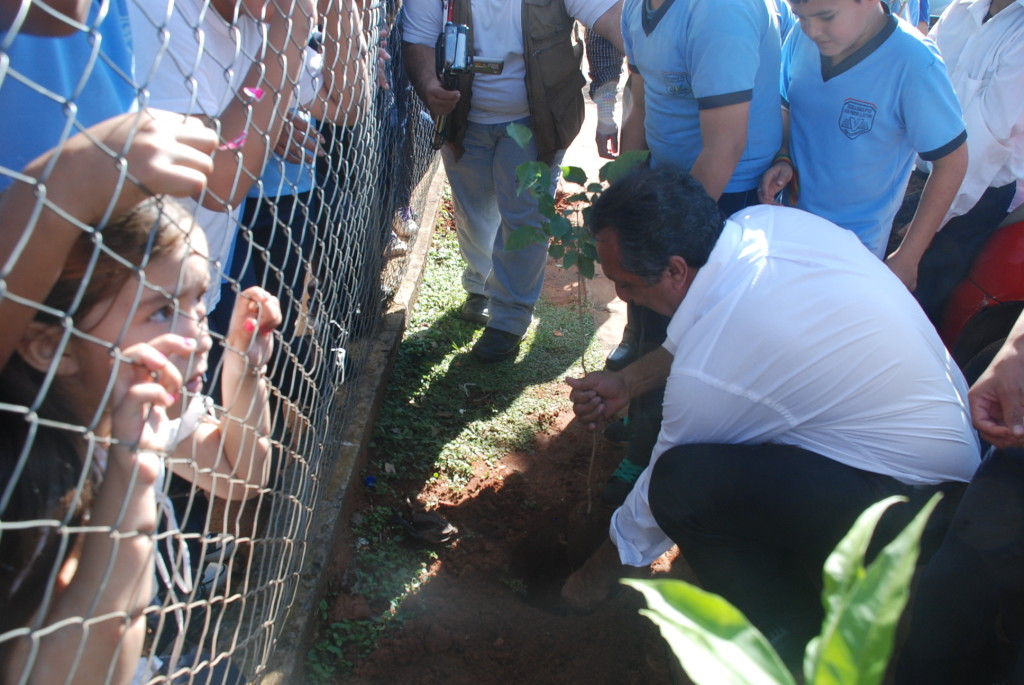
pixel 517 275
pixel 476 207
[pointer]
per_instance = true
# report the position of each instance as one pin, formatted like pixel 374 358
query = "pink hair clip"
pixel 236 143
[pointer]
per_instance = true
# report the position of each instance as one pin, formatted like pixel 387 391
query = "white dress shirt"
pixel 985 60
pixel 794 333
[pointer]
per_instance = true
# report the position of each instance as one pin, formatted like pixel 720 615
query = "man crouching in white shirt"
pixel 803 385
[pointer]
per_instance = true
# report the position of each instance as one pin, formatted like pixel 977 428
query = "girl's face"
pixel 170 299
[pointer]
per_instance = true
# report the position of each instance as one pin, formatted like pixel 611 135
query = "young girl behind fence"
pixel 129 361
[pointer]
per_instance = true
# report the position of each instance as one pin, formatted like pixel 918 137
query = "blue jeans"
pixel 487 210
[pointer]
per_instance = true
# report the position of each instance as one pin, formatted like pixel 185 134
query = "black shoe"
pixel 621 482
pixel 475 309
pixel 496 346
pixel 621 357
pixel 617 432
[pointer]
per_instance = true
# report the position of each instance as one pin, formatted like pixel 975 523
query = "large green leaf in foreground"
pixel 712 639
pixel 717 645
pixel 863 606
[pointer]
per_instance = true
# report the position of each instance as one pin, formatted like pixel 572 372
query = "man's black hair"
pixel 657 213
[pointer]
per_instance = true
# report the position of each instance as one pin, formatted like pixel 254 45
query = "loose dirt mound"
pixel 490 612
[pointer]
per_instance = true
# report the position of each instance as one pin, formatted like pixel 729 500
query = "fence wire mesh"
pixel 180 336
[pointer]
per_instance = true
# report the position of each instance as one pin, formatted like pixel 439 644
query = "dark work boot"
pixel 495 345
pixel 476 310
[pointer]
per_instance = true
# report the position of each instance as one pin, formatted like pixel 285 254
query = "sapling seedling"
pixel 564 229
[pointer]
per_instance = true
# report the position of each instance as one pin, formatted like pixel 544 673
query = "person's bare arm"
pixel 609 25
pixel 27 17
pixel 723 132
pixel 780 173
pixel 345 95
pixel 160 153
pixel 997 397
pixel 421 67
pixel 939 191
pixel 606 133
pixel 230 457
pixel 633 135
pixel 250 126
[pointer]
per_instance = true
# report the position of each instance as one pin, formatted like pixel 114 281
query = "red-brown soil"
pixel 526 521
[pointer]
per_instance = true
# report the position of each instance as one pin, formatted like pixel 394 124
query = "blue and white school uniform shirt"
pixel 855 127
pixel 702 54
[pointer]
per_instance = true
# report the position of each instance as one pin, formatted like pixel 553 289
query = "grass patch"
pixel 443 409
pixel 443 412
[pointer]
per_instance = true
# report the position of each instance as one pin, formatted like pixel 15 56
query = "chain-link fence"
pixel 173 398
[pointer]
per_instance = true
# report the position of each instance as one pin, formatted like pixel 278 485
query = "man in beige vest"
pixel 540 86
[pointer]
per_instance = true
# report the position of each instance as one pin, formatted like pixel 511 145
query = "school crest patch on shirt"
pixel 856 118
pixel 677 83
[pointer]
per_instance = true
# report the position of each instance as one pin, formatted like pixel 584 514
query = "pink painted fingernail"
pixel 249 325
pixel 255 93
pixel 190 342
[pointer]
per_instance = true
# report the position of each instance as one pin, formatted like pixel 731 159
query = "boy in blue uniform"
pixel 863 93
pixel 704 90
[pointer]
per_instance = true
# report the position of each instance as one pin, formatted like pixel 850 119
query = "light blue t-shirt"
pixel 787 20
pixel 908 9
pixel 701 54
pixel 92 73
pixel 856 127
pixel 281 178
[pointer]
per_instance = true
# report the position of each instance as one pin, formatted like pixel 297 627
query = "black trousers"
pixel 967 610
pixel 953 250
pixel 756 523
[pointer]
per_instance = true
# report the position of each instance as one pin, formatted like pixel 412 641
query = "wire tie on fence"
pixel 255 93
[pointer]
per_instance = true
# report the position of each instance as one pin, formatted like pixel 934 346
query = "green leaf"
pixel 519 133
pixel 529 176
pixel 586 266
pixel 574 174
pixel 556 250
pixel 714 642
pixel 570 260
pixel 846 563
pixel 863 606
pixel 560 227
pixel 622 165
pixel 523 236
pixel 589 250
pixel 546 204
pixel 595 188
